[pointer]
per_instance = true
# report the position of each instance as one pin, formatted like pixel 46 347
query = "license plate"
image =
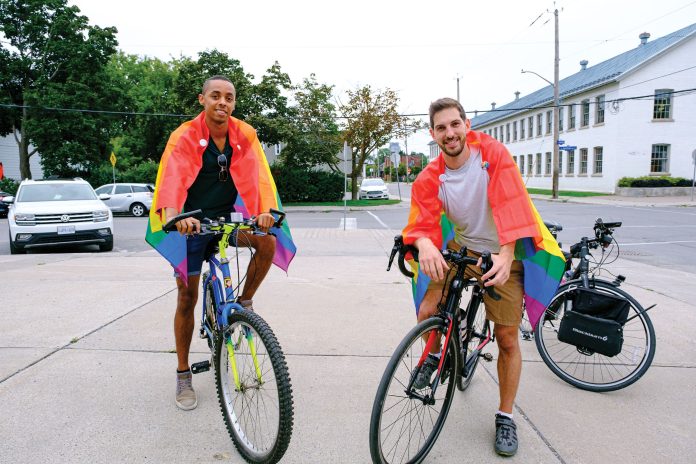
pixel 62 230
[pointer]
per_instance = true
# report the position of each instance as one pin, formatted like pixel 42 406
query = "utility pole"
pixel 458 89
pixel 554 181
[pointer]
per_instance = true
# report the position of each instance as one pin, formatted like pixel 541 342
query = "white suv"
pixel 58 212
pixel 136 198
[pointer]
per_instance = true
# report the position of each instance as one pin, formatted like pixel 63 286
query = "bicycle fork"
pixel 433 338
pixel 233 362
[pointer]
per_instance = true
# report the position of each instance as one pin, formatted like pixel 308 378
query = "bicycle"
pixel 585 360
pixel 251 375
pixel 401 413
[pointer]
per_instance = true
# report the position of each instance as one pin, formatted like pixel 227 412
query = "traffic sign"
pixel 568 148
pixel 560 142
pixel 113 159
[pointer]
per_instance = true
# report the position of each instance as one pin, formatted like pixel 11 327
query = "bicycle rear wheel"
pixel 475 330
pixel 254 389
pixel 404 428
pixel 596 372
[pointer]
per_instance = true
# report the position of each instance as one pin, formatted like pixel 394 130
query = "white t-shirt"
pixel 464 196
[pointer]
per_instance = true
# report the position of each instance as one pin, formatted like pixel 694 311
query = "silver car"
pixel 133 198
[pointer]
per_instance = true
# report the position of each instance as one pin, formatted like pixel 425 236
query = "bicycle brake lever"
pixel 493 294
pixel 394 251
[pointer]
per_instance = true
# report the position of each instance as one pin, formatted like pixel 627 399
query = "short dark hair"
pixel 443 104
pixel 217 77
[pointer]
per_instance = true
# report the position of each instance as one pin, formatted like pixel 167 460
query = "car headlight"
pixel 24 217
pixel 101 215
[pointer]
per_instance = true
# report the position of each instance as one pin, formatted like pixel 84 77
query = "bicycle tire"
pixel 391 399
pixel 241 407
pixel 596 372
pixel 474 333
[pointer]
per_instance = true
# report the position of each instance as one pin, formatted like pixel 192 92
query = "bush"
pixel 651 181
pixel 9 185
pixel 295 185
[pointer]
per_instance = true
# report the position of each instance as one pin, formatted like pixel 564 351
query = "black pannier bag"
pixel 595 322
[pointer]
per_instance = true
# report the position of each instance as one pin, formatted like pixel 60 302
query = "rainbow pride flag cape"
pixel 179 166
pixel 514 214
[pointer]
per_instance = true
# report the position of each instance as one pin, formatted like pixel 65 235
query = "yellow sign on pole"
pixel 113 159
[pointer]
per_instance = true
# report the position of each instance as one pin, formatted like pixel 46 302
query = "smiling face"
pixel 449 131
pixel 218 100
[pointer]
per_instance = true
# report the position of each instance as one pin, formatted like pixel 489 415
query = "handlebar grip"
pixel 170 226
pixel 402 262
pixel 281 217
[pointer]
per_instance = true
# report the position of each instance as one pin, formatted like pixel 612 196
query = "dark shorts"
pixel 198 248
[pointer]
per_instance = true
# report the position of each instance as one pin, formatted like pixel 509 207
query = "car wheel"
pixel 137 209
pixel 14 250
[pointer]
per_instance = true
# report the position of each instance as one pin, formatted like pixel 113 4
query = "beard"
pixel 455 151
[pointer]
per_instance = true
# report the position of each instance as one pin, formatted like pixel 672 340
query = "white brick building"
pixel 616 134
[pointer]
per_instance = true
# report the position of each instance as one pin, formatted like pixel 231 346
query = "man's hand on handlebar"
pixel 499 272
pixel 186 226
pixel 431 261
pixel 265 221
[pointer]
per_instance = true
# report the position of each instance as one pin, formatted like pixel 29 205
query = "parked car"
pixel 133 198
pixel 58 212
pixel 4 207
pixel 373 189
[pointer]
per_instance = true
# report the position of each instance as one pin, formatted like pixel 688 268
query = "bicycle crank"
pixel 487 357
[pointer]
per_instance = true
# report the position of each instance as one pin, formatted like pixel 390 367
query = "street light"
pixel 554 84
pixel 554 178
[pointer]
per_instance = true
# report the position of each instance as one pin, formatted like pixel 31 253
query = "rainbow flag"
pixel 250 170
pixel 541 257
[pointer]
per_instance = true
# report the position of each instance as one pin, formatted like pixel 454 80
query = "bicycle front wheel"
pixel 594 371
pixel 254 389
pixel 475 331
pixel 403 426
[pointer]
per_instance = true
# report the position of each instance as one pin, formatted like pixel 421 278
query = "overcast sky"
pixel 417 48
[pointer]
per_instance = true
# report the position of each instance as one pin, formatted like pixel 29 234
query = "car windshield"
pixel 55 192
pixel 373 183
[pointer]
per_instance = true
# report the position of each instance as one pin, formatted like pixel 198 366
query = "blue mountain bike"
pixel 251 375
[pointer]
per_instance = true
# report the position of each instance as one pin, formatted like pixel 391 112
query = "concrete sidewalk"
pixel 87 366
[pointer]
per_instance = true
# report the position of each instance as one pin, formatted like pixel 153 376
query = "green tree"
pixel 372 120
pixel 52 57
pixel 315 139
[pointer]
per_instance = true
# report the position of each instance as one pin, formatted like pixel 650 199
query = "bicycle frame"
pixel 225 303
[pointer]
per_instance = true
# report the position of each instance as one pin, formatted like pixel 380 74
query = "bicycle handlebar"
pixel 458 258
pixel 170 226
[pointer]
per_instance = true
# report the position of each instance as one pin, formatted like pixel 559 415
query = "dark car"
pixel 4 207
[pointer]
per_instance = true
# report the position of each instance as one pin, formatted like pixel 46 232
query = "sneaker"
pixel 505 436
pixel 185 394
pixel 426 371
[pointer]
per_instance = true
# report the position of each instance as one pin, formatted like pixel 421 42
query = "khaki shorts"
pixel 506 311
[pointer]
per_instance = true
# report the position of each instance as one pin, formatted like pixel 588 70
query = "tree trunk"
pixel 23 142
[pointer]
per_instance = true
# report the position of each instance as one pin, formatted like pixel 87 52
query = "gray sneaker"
pixel 185 394
pixel 426 372
pixel 505 436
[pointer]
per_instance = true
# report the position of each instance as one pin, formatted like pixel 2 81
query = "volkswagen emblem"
pixel 64 218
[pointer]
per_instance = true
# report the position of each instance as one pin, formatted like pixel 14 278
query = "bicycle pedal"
pixel 487 357
pixel 197 368
pixel 202 334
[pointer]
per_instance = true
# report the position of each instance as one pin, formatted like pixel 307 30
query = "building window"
pixel 531 126
pixel 560 161
pixel 549 121
pixel 538 164
pixel 514 131
pixel 547 168
pixel 521 129
pixel 521 164
pixel 540 122
pixel 583 161
pixel 599 110
pixel 507 133
pixel 663 104
pixel 585 121
pixel 598 155
pixel 571 116
pixel 560 118
pixel 495 132
pixel 530 164
pixel 570 167
pixel 659 160
pixel 514 159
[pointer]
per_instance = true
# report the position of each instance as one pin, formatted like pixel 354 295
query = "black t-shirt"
pixel 208 193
